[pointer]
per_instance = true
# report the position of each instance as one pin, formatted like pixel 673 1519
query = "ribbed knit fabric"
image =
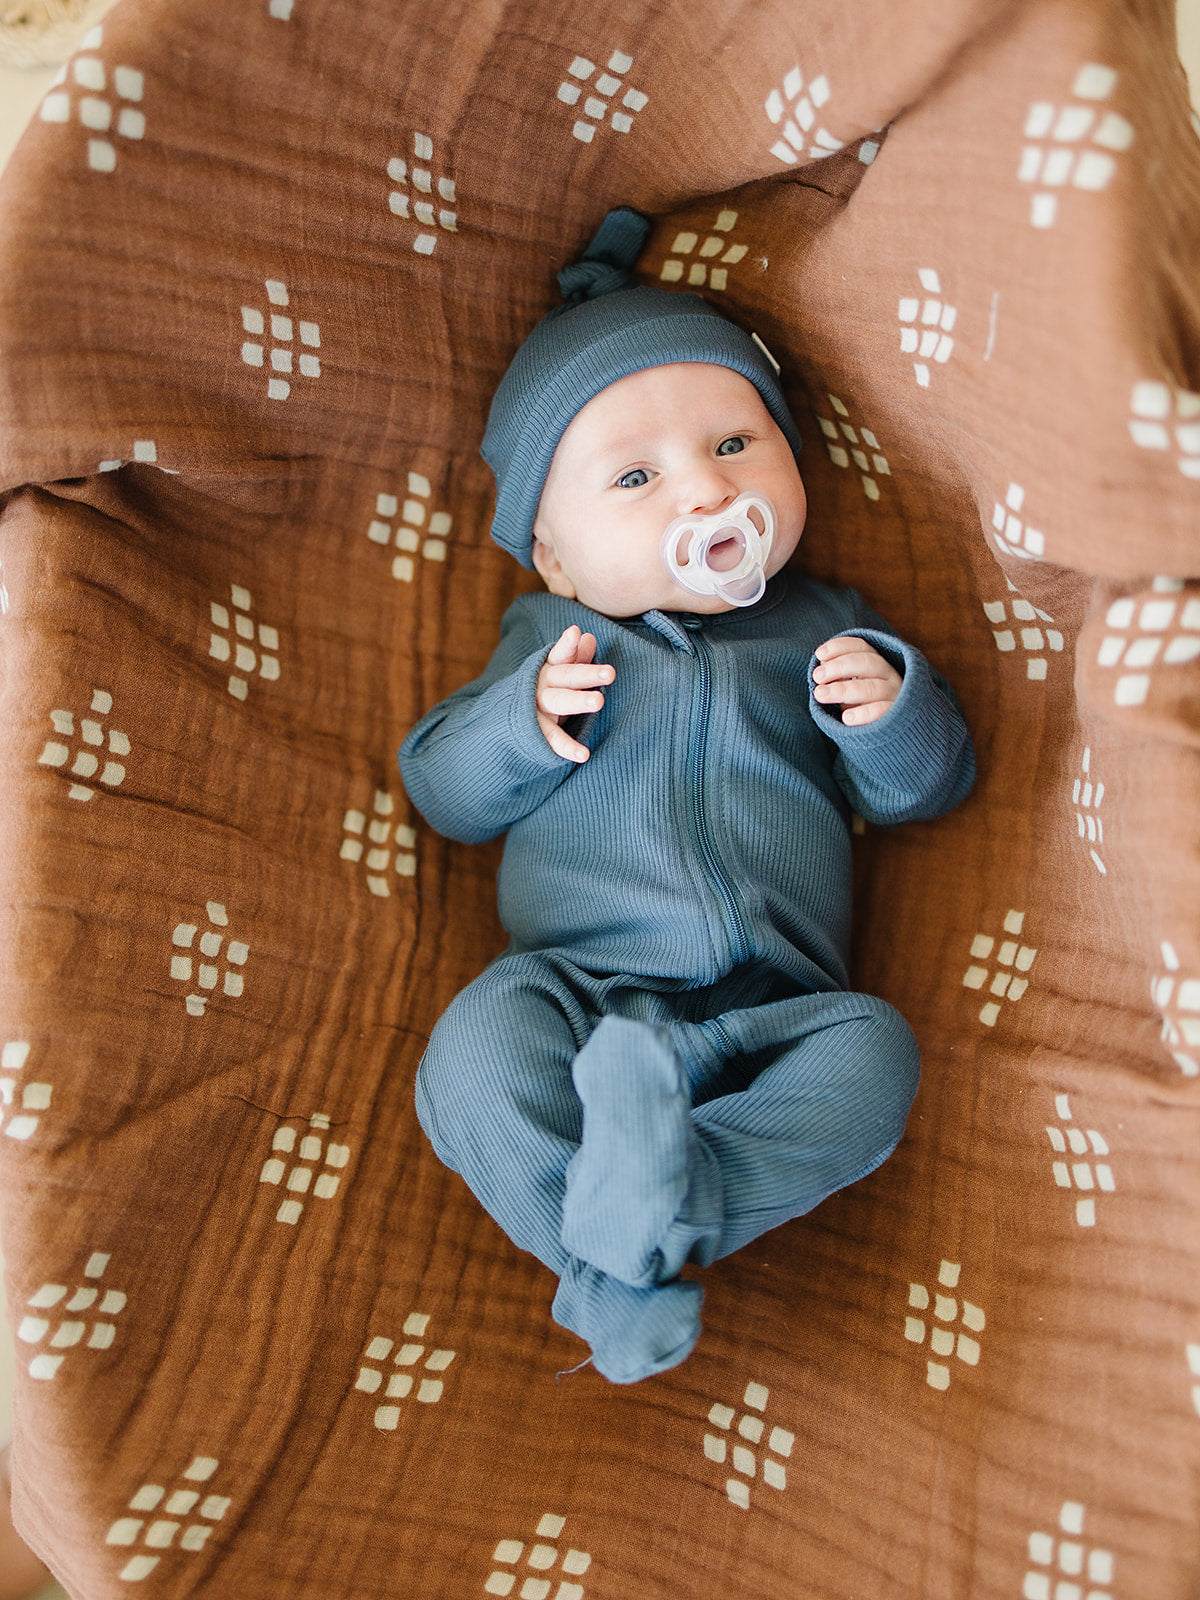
pixel 608 261
pixel 693 879
pixel 710 826
pixel 789 1100
pixel 633 1333
pixel 638 1164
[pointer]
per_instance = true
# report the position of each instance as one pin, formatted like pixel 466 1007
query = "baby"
pixel 667 1062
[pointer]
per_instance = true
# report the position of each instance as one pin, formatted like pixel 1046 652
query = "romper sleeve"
pixel 916 762
pixel 478 761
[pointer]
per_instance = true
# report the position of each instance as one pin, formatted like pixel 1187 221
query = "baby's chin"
pixel 708 605
pixel 666 596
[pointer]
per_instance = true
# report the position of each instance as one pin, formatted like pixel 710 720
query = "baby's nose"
pixel 708 488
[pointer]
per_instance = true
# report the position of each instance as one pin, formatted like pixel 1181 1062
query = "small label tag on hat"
pixel 766 352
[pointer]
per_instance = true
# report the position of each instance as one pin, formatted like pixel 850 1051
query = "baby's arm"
pixel 567 686
pixel 909 757
pixel 480 760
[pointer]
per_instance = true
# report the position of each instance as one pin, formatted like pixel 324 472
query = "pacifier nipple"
pixel 723 552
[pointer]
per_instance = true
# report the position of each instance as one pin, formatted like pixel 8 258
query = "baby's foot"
pixel 633 1333
pixel 629 1179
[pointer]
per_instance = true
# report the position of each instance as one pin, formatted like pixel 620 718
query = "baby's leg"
pixel 495 1096
pixel 657 1183
pixel 828 1110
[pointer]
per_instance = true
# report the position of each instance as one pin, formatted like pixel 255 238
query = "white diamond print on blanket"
pixel 215 958
pixel 1072 1142
pixel 863 447
pixel 106 102
pixel 796 107
pixel 1074 144
pixel 278 342
pixel 178 1514
pixel 59 1318
pixel 420 196
pixel 1177 999
pixel 144 453
pixel 704 268
pixel 1163 630
pixel 417 527
pixel 597 94
pixel 314 1168
pixel 925 325
pixel 233 639
pixel 1014 536
pixel 1013 960
pixel 415 1362
pixel 1087 795
pixel 947 1312
pixel 91 757
pixel 739 1443
pixel 1067 1568
pixel 511 1558
pixel 1023 626
pixel 21 1099
pixel 375 849
pixel 1166 418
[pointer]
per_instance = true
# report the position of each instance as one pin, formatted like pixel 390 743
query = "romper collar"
pixel 678 626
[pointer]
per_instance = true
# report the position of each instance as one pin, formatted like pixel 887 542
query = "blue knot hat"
pixel 607 328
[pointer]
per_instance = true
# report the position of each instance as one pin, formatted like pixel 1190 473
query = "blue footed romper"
pixel 667 1062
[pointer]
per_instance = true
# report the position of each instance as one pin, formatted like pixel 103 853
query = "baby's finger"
pixel 586 648
pixel 565 646
pixel 561 742
pixel 568 702
pixel 839 646
pixel 868 713
pixel 578 674
pixel 864 663
pixel 854 691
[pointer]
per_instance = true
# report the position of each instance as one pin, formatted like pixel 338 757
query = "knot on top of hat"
pixel 605 265
pixel 584 280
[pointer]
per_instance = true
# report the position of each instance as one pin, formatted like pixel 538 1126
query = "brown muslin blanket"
pixel 262 265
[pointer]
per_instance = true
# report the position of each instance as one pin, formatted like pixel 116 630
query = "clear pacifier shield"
pixel 738 579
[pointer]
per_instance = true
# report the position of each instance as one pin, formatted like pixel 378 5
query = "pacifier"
pixel 739 538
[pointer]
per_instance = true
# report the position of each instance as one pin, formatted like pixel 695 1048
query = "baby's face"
pixel 660 444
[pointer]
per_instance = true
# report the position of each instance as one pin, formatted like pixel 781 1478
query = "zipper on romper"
pixel 725 890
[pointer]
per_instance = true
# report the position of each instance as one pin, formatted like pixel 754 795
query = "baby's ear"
pixel 547 563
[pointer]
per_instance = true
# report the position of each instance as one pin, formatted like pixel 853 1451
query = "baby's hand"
pixel 563 686
pixel 854 676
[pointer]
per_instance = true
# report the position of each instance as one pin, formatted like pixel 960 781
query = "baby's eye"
pixel 732 446
pixel 634 479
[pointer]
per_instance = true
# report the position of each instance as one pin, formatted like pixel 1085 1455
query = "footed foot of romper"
pixel 641 1190
pixel 633 1333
